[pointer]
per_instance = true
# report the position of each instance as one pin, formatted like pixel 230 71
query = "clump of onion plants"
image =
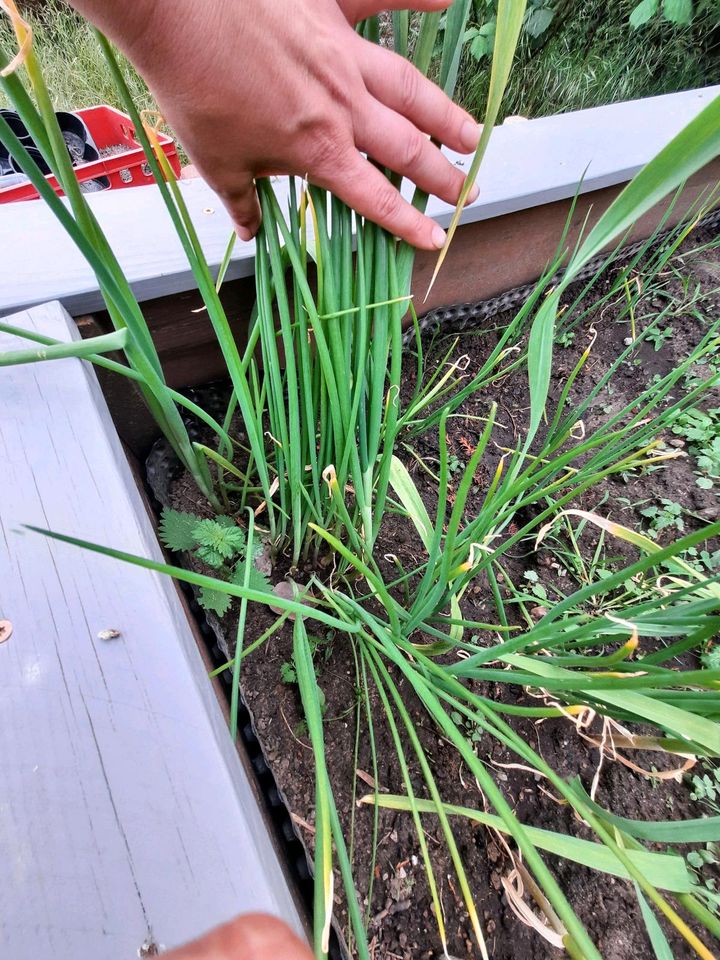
pixel 314 466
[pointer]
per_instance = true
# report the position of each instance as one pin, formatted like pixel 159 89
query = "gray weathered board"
pixel 125 814
pixel 527 164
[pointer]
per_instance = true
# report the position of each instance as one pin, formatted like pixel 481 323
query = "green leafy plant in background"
pixel 541 14
pixel 539 17
pixel 73 64
pixel 309 442
pixel 660 336
pixel 590 55
pixel 674 11
pixel 704 861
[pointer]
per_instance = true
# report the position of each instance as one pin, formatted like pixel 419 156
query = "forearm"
pixel 137 27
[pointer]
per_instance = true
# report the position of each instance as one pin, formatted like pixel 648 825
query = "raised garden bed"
pixel 664 500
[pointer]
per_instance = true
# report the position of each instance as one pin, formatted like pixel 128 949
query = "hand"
pixel 254 87
pixel 254 936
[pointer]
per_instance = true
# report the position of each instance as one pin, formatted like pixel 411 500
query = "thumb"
pixel 250 937
pixel 356 10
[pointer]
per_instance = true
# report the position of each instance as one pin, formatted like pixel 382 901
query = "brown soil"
pixel 402 924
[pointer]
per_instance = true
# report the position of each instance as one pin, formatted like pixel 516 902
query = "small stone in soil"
pixel 287 590
pixel 263 561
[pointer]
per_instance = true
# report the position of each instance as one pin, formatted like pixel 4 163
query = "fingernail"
pixel 470 135
pixel 244 234
pixel 438 236
pixel 473 194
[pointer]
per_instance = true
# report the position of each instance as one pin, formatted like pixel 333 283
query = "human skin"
pixel 254 87
pixel 255 936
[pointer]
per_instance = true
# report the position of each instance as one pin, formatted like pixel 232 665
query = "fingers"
pixel 254 936
pixel 395 143
pixel 356 10
pixel 364 188
pixel 396 83
pixel 243 206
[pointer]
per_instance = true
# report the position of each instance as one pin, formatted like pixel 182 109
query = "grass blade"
pixel 657 938
pixel 404 486
pixel 201 580
pixel 310 696
pixel 240 633
pixel 695 146
pixel 703 830
pixel 510 14
pixel 681 722
pixel 455 22
pixel 77 348
pixel 666 871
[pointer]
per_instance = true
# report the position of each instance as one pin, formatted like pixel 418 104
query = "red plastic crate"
pixel 108 128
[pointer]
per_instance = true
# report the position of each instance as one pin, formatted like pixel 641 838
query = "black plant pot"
pixel 35 155
pixel 5 167
pixel 72 123
pixel 90 155
pixel 17 126
pixel 75 134
pixel 77 140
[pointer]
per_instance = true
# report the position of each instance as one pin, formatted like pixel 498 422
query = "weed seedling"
pixel 706 788
pixel 565 338
pixel 659 336
pixel 701 431
pixel 665 515
pixel 219 543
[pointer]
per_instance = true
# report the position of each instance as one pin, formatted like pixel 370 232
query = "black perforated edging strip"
pixel 461 316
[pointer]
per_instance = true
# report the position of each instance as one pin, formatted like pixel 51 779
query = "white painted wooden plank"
pixel 124 810
pixel 528 163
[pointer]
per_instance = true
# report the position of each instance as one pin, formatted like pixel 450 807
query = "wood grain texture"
pixel 490 257
pixel 125 814
pixel 527 164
